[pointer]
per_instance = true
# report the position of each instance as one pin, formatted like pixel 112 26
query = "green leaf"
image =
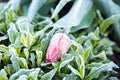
pixel 60 5
pixel 3 48
pixel 3 38
pixel 107 22
pixel 116 29
pixel 1 55
pixel 85 22
pixel 113 78
pixel 70 77
pixel 45 9
pixel 33 75
pixel 96 71
pixel 24 25
pixel 12 33
pixel 93 64
pixel 22 77
pixel 55 64
pixel 41 32
pixel 87 53
pixel 34 7
pixel 45 42
pixel 18 43
pixel 92 36
pixel 77 12
pixel 19 11
pixel 32 59
pixel 104 76
pixel 49 75
pixel 26 53
pixel 66 60
pixel 14 3
pixel 81 65
pixel 15 60
pixel 39 57
pixel 110 8
pixel 109 51
pixel 27 39
pixel 3 27
pixel 76 72
pixel 6 57
pixel 101 55
pixel 81 39
pixel 3 75
pixel 97 33
pixel 23 63
pixel 8 69
pixel 106 42
pixel 88 44
pixel 20 72
pixel 4 9
pixel 79 47
pixel 10 17
pixel 73 12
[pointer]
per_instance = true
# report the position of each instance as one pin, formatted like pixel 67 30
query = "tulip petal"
pixel 59 44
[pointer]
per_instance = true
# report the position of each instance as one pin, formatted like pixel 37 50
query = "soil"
pixel 116 59
pixel 4 0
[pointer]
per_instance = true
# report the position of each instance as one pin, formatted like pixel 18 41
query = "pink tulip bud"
pixel 59 44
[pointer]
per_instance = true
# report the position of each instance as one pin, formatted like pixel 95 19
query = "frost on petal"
pixel 59 44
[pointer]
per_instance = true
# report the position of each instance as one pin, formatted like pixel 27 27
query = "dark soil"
pixel 4 0
pixel 116 59
pixel 116 56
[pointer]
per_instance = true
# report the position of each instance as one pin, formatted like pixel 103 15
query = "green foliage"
pixel 24 40
pixel 20 72
pixel 78 16
pixel 23 63
pixel 66 59
pixel 105 24
pixel 110 8
pixel 15 60
pixel 96 71
pixel 3 48
pixel 12 33
pixel 3 75
pixel 49 75
pixel 33 75
pixel 35 5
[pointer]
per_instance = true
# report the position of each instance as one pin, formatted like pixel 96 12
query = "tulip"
pixel 59 44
